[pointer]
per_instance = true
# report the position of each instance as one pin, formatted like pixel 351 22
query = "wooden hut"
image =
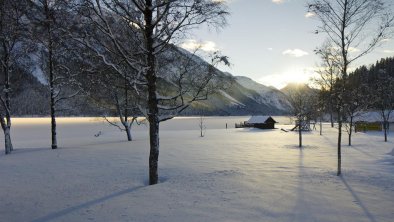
pixel 371 121
pixel 261 122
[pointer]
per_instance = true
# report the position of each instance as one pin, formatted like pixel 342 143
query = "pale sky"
pixel 272 41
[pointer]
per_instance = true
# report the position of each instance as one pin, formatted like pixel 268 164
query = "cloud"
pixel 352 49
pixel 309 14
pixel 192 45
pixel 295 53
pixel 388 51
pixel 278 1
pixel 385 40
pixel 270 49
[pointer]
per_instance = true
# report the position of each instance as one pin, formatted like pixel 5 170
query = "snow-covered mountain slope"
pixel 239 99
pixel 243 96
pixel 267 95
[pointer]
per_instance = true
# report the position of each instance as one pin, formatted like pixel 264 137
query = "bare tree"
pixel 354 28
pixel 50 19
pixel 11 33
pixel 113 94
pixel 153 26
pixel 354 100
pixel 302 100
pixel 328 74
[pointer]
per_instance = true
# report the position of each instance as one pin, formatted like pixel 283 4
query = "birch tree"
pixel 153 27
pixel 11 33
pixel 354 28
pixel 50 19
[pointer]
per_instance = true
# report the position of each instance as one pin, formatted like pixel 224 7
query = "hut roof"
pixel 259 119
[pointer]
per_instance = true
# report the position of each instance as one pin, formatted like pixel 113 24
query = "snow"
pixel 35 68
pixel 228 175
pixel 258 119
pixel 371 116
pixel 268 95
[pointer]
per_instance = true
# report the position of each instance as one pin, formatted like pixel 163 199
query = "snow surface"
pixel 228 175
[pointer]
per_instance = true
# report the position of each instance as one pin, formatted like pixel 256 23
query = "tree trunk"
pixel 153 109
pixel 154 150
pixel 7 140
pixel 321 127
pixel 385 130
pixel 299 134
pixel 339 147
pixel 350 131
pixel 201 126
pixel 126 113
pixel 331 119
pixel 128 132
pixel 331 100
pixel 53 124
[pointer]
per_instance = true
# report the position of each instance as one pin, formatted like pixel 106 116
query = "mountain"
pixel 268 95
pixel 243 96
pixel 239 96
pixel 294 87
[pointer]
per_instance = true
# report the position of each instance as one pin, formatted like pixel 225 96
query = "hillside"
pixel 243 97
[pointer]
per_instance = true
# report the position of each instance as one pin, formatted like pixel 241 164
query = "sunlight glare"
pixel 290 75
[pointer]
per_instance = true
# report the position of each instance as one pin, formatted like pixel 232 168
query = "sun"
pixel 298 75
pixel 289 75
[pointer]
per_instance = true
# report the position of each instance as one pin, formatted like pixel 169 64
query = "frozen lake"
pixel 228 175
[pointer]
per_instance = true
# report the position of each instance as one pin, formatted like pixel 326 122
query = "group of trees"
pixel 353 28
pixel 121 53
pixel 374 87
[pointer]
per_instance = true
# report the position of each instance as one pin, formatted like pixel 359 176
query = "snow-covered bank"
pixel 228 175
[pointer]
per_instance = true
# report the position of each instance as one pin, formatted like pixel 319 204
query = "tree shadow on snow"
pixel 358 200
pixel 361 151
pixel 301 210
pixel 26 150
pixel 58 214
pixel 296 147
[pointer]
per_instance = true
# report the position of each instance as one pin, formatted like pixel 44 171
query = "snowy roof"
pixel 258 119
pixel 371 117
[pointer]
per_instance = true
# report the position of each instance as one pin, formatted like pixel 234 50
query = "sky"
pixel 272 41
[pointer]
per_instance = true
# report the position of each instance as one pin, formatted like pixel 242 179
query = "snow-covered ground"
pixel 228 175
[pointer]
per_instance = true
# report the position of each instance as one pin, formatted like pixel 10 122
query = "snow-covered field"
pixel 228 175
